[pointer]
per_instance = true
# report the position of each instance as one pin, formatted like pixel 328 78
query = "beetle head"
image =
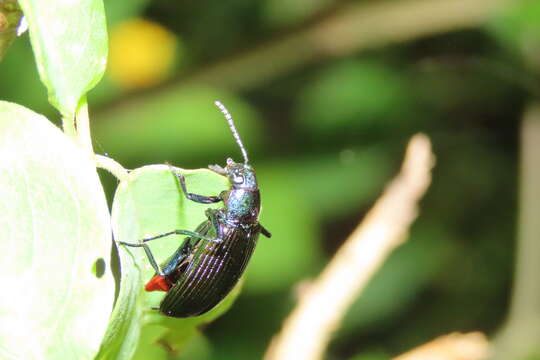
pixel 241 176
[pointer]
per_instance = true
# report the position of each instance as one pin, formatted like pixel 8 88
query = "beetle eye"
pixel 238 179
pixel 230 162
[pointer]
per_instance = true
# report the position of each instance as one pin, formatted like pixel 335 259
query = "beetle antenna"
pixel 235 133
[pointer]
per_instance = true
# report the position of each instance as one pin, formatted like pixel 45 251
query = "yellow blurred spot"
pixel 141 53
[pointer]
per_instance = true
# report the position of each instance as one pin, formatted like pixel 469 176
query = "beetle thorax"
pixel 242 205
pixel 242 202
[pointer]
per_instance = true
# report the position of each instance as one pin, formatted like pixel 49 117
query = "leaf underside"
pixel 150 203
pixel 56 243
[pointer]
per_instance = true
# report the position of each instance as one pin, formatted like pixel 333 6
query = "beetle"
pixel 211 259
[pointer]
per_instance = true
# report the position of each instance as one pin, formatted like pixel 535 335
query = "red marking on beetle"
pixel 157 283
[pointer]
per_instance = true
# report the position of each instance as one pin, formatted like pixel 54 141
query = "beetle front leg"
pixel 202 199
pixel 149 255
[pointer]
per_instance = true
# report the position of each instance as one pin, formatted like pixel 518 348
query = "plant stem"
pixel 455 346
pixel 354 27
pixel 68 125
pixel 83 127
pixel 117 170
pixel 307 330
pixel 519 337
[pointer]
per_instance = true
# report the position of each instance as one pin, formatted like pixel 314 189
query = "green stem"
pixel 83 127
pixel 85 141
pixel 117 170
pixel 68 125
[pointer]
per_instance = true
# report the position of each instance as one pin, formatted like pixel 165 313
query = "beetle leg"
pixel 149 254
pixel 212 215
pixel 194 197
pixel 179 256
pixel 196 235
pixel 177 232
pixel 265 232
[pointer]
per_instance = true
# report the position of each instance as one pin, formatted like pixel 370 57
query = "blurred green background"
pixel 326 94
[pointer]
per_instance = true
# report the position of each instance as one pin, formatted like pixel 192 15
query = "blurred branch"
pixel 354 27
pixel 307 330
pixel 10 15
pixel 519 337
pixel 456 346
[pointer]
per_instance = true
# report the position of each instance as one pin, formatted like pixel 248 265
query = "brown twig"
pixel 354 27
pixel 10 14
pixel 307 330
pixel 456 346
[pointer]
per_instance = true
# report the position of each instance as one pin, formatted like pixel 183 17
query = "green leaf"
pixel 518 28
pixel 324 188
pixel 150 203
pixel 353 94
pixel 56 243
pixel 278 13
pixel 162 333
pixel 149 346
pixel 289 218
pixel 120 10
pixel 176 123
pixel 342 182
pixel 123 332
pixel 20 80
pixel 69 39
pixel 398 282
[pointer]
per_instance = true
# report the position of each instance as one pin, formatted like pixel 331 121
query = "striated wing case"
pixel 210 272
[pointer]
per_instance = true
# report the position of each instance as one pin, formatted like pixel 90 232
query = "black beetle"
pixel 211 260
